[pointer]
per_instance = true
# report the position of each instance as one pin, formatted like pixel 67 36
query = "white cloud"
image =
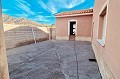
pixel 49 16
pixel 54 6
pixel 23 5
pixel 53 9
pixel 49 7
pixel 91 8
pixel 22 1
pixel 40 18
pixel 21 15
pixel 74 3
pixel 42 4
pixel 5 10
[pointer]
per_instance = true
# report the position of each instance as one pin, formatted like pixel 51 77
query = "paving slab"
pixel 53 59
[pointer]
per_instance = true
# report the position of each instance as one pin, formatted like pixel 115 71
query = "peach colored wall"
pixel 111 50
pixel 84 24
pixel 4 72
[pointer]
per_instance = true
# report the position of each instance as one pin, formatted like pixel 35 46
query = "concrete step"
pixel 72 37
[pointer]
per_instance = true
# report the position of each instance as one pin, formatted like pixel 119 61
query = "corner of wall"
pixel 103 67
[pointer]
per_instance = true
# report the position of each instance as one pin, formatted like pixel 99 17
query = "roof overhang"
pixel 74 15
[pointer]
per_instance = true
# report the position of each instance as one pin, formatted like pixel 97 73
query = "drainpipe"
pixel 33 35
pixel 4 72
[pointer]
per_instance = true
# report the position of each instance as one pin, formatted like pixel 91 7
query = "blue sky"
pixel 43 11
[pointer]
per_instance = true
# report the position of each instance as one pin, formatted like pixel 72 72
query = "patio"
pixel 53 60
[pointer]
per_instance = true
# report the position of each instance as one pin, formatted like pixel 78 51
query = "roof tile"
pixel 75 12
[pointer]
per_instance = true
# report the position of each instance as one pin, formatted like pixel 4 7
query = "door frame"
pixel 69 26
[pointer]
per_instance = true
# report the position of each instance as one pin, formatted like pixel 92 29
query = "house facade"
pixel 102 28
pixel 106 37
pixel 74 25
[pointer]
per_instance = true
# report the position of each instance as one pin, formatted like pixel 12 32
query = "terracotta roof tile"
pixel 75 12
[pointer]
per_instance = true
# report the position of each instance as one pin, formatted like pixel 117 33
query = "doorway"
pixel 72 30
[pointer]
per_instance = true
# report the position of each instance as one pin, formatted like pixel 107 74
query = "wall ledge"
pixel 62 37
pixel 103 67
pixel 79 38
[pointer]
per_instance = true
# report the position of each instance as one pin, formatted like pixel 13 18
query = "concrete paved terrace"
pixel 53 60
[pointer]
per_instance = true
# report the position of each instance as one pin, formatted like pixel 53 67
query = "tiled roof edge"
pixel 75 12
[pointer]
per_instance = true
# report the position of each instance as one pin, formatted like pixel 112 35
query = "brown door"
pixel 72 37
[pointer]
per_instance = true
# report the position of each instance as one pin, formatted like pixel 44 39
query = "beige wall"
pixel 52 34
pixel 84 24
pixel 18 35
pixel 108 56
pixel 3 57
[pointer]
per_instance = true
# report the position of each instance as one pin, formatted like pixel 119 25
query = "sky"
pixel 43 11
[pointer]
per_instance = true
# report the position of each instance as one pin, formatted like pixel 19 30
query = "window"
pixel 102 26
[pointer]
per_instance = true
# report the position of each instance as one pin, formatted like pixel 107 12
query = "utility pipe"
pixel 33 35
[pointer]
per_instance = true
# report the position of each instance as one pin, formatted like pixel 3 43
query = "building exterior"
pixel 3 57
pixel 74 25
pixel 106 37
pixel 104 32
pixel 102 27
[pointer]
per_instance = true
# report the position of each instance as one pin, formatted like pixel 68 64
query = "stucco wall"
pixel 52 34
pixel 108 56
pixel 3 57
pixel 84 24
